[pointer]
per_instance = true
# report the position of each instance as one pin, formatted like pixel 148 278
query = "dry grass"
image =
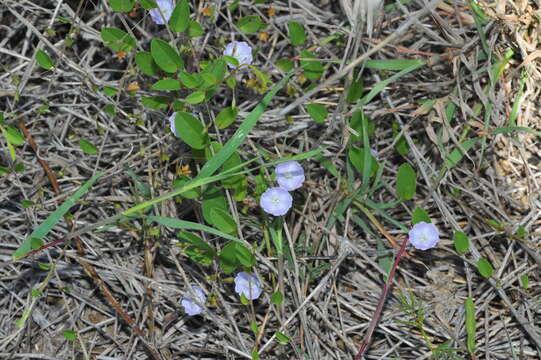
pixel 333 280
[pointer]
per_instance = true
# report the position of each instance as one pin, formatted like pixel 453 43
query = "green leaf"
pixel 165 56
pixel 406 182
pixel 13 136
pixel 296 33
pixel 470 324
pixel 251 24
pixel 4 170
pixel 121 5
pixel 232 163
pixel 253 327
pixel 87 147
pixel 27 203
pixel 231 60
pixel 355 91
pixel 44 60
pixel 277 298
pixel 196 248
pixel 213 198
pixel 146 64
pixel 524 281
pixel 226 117
pixel 285 65
pixel 109 91
pixel 462 243
pixel 317 112
pixel 456 155
pixel 180 182
pixel 166 84
pixel 484 268
pixel 46 226
pixel 189 80
pixel 70 335
pixel 356 124
pixel 196 97
pixel 391 64
pixel 228 258
pixel 420 215
pixel 313 69
pixel 195 29
pixel 245 256
pixel 117 40
pixel 148 4
pixel 190 130
pixel 180 18
pixel 281 337
pixel 36 243
pixel 223 220
pixel 356 157
pixel 155 102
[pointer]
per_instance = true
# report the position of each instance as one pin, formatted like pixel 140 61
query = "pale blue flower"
pixel 190 306
pixel 289 175
pixel 424 235
pixel 276 201
pixel 248 285
pixel 241 51
pixel 172 124
pixel 166 7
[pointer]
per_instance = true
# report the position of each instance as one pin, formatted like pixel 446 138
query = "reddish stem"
pixel 379 308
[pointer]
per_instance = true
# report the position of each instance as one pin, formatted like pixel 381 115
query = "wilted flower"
pixel 248 285
pixel 241 51
pixel 276 201
pixel 424 235
pixel 172 123
pixel 166 7
pixel 190 306
pixel 289 175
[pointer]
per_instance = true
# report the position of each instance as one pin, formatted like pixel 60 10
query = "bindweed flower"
pixel 276 201
pixel 172 123
pixel 241 51
pixel 248 285
pixel 424 235
pixel 289 175
pixel 166 7
pixel 190 306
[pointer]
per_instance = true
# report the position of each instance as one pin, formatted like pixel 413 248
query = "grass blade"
pixel 53 219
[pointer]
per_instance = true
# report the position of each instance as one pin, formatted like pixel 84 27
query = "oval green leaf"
pixel 317 112
pixel 462 243
pixel 296 33
pixel 406 182
pixel 180 18
pixel 484 268
pixel 44 60
pixel 117 40
pixel 146 64
pixel 196 97
pixel 87 147
pixel 191 131
pixel 166 84
pixel 165 56
pixel 226 117
pixel 420 215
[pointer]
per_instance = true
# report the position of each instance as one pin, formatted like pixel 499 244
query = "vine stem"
pixel 379 308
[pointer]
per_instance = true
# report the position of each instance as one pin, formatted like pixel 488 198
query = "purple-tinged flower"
pixel 172 124
pixel 424 235
pixel 248 285
pixel 190 306
pixel 276 201
pixel 241 51
pixel 166 7
pixel 289 175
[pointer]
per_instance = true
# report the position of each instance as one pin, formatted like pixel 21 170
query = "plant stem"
pixel 379 308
